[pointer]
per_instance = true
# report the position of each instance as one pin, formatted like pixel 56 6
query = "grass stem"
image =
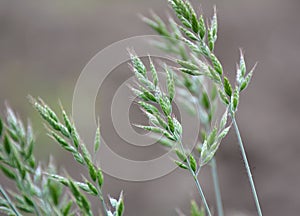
pixel 217 187
pixel 100 194
pixel 11 205
pixel 259 212
pixel 197 183
pixel 201 194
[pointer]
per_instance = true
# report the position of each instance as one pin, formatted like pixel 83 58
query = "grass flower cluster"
pixel 192 41
pixel 41 190
pixel 197 79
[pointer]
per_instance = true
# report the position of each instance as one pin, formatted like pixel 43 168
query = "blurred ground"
pixel 45 44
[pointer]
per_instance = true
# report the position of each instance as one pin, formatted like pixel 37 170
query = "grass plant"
pixel 192 40
pixel 41 190
pixel 197 79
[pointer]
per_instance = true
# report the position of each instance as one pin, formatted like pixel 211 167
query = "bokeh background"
pixel 44 45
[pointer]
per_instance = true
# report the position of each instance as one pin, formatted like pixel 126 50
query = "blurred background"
pixel 44 45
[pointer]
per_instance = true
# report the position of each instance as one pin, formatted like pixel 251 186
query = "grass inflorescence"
pixel 197 79
pixel 192 41
pixel 40 189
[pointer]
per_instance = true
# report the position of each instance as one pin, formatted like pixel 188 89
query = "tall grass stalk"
pixel 214 172
pixel 243 152
pixel 199 188
pixel 10 203
pixel 172 44
pixel 192 39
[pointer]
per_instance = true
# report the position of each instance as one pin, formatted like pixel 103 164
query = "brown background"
pixel 45 44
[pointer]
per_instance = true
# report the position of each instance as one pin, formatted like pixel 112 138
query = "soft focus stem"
pixel 217 187
pixel 201 193
pixel 11 205
pixel 259 212
pixel 197 183
pixel 100 195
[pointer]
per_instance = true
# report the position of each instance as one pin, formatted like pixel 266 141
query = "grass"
pixel 41 190
pixel 192 41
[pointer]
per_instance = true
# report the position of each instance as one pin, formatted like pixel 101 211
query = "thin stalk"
pixel 36 210
pixel 197 183
pixel 201 193
pixel 217 187
pixel 11 205
pixel 214 172
pixel 259 212
pixel 213 165
pixel 102 200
